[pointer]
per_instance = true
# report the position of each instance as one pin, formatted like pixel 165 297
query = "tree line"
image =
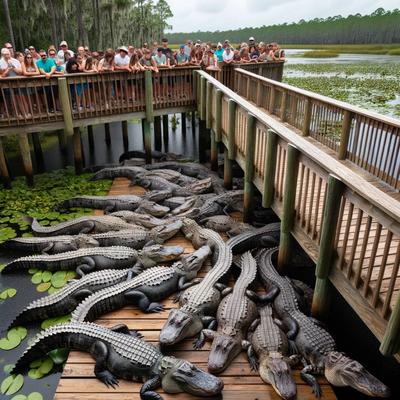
pixel 378 27
pixel 95 23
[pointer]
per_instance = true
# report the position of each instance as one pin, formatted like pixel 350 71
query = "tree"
pixel 8 22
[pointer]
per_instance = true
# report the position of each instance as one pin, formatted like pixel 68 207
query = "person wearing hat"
pixel 219 51
pixel 121 60
pixel 252 41
pixel 34 53
pixel 61 59
pixel 182 58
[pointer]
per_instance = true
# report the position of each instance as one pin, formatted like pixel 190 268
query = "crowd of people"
pixel 53 62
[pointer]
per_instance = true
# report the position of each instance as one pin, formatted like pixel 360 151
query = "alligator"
pixel 315 345
pixel 130 172
pixel 86 224
pixel 147 221
pixel 269 353
pixel 171 176
pixel 67 298
pixel 120 353
pixel 199 303
pixel 138 238
pixel 156 155
pixel 146 289
pixel 97 258
pixel 115 203
pixel 236 312
pixel 225 223
pixel 51 244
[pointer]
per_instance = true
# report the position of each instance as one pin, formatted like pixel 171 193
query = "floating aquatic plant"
pixel 14 337
pixel 8 293
pixel 12 384
pixel 49 281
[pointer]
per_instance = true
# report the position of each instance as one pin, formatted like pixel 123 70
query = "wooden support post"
pixel 107 133
pixel 148 88
pixel 271 105
pixel 269 168
pixel 321 298
pixel 249 169
pixel 209 95
pixel 147 140
pixel 37 149
pixel 78 151
pixel 90 138
pixel 62 140
pixel 125 137
pixel 214 151
pixel 165 132
pixel 344 137
pixel 63 93
pixel 227 171
pixel 287 220
pixel 183 119
pixel 26 157
pixel 203 95
pixel 157 133
pixel 231 129
pixel 283 106
pixel 5 175
pixel 193 122
pixel 390 344
pixel 202 141
pixel 307 117
pixel 218 115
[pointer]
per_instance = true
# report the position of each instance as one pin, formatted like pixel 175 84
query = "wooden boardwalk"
pixel 79 382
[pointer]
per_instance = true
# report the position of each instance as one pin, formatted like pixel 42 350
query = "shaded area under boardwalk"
pixel 78 380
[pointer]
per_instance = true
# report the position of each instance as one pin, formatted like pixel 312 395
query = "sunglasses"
pixel 29 57
pixel 44 56
pixel 9 48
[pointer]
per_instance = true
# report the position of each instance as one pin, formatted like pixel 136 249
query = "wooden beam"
pixel 147 140
pixel 183 120
pixel 157 133
pixel 271 105
pixel 227 170
pixel 148 88
pixel 90 137
pixel 249 169
pixel 345 135
pixel 193 122
pixel 125 137
pixel 107 134
pixel 78 151
pixel 26 157
pixel 391 340
pixel 37 148
pixel 231 129
pixel 218 115
pixel 63 93
pixel 209 96
pixel 62 140
pixel 271 149
pixel 202 141
pixel 283 105
pixel 165 122
pixel 203 94
pixel 321 299
pixel 287 219
pixel 5 175
pixel 307 117
pixel 214 151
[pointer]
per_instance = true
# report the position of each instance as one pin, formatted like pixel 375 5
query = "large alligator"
pixel 225 223
pixel 146 289
pixel 156 155
pixel 236 312
pixel 86 224
pixel 313 342
pixel 199 303
pixel 88 260
pixel 50 245
pixel 130 172
pixel 117 203
pixel 147 221
pixel 67 298
pixel 269 351
pixel 127 356
pixel 137 238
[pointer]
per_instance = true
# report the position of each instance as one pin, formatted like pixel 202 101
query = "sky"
pixel 194 15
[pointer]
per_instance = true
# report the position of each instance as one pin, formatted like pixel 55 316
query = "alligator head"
pixel 275 370
pixel 179 326
pixel 341 370
pixel 157 253
pixel 193 232
pixel 182 376
pixel 152 208
pixel 190 264
pixel 223 350
pixel 162 233
pixel 201 186
pixel 84 241
pixel 157 195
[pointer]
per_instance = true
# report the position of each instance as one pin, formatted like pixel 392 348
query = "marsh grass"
pixel 393 49
pixel 320 54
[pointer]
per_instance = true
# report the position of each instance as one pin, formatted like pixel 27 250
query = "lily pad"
pixel 46 366
pixel 8 293
pixel 37 278
pixel 59 355
pixel 52 290
pixel 35 396
pixel 20 331
pixel 7 368
pixel 35 374
pixel 43 287
pixel 19 397
pixel 58 279
pixel 46 276
pixel 36 363
pixel 12 384
pixel 47 323
pixel 32 270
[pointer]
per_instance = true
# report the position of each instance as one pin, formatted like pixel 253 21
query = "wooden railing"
pixel 367 139
pixel 349 227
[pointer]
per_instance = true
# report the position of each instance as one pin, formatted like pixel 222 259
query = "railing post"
pixel 345 135
pixel 283 106
pixel 391 340
pixel 63 92
pixel 203 94
pixel 209 94
pixel 165 125
pixel 78 152
pixel 269 168
pixel 157 133
pixel 3 167
pixel 148 88
pixel 183 118
pixel 90 137
pixel 287 220
pixel 218 115
pixel 307 117
pixel 271 104
pixel 202 122
pixel 249 169
pixel 231 129
pixel 107 133
pixel 321 298
pixel 125 138
pixel 26 157
pixel 248 82
pixel 227 170
pixel 258 94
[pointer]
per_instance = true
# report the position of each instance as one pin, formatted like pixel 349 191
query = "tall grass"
pixel 393 49
pixel 320 54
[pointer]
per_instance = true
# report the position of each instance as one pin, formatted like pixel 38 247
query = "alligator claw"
pixel 155 307
pixel 198 344
pixel 253 364
pixel 108 379
pixel 176 298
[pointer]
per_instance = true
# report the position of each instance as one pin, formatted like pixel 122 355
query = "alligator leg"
pixel 81 295
pixel 142 301
pixel 252 358
pixel 268 241
pixel 147 390
pixel 225 290
pixel 254 325
pixel 203 336
pixel 306 375
pixel 263 299
pixel 182 286
pixel 288 325
pixel 122 328
pixel 88 227
pixel 48 248
pixel 100 353
pixel 88 265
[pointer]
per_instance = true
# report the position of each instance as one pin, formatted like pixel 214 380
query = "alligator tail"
pixel 249 269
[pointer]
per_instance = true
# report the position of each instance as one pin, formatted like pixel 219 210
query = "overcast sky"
pixel 194 15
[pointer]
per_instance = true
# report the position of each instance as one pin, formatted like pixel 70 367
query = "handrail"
pixel 375 196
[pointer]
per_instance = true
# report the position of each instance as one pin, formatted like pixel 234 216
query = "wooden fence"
pixel 348 226
pixel 367 139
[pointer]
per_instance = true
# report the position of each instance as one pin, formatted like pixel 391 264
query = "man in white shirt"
pixel 121 60
pixel 227 55
pixel 9 66
pixel 61 54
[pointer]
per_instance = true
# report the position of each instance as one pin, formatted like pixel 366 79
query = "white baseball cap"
pixel 63 43
pixel 251 39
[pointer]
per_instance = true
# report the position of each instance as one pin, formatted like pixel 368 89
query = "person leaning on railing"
pixel 147 61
